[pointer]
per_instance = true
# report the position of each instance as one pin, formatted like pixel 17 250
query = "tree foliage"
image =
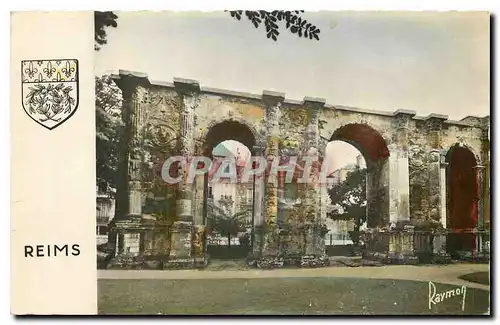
pixel 350 195
pixel 108 101
pixel 223 221
pixel 271 19
pixel 103 19
pixel 291 20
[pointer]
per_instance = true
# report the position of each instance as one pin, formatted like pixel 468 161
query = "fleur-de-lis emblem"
pixel 68 69
pixel 31 70
pixel 49 98
pixel 49 70
pixel 58 77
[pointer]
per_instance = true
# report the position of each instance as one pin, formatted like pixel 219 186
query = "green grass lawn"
pixel 282 296
pixel 478 277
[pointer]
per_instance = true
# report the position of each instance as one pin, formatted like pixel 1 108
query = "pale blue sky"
pixel 428 62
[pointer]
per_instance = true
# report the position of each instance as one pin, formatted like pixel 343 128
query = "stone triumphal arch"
pixel 421 172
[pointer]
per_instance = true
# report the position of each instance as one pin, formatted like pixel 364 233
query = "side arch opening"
pixel 462 198
pixel 375 152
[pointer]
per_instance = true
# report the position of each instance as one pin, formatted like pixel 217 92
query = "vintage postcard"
pixel 250 163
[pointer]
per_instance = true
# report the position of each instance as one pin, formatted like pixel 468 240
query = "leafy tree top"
pixel 271 20
pixel 350 195
pixel 103 19
pixel 291 20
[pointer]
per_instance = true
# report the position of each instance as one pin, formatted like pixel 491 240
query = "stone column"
pixel 257 209
pixel 486 196
pixel 484 178
pixel 434 124
pixel 324 199
pixel 480 194
pixel 315 242
pixel 272 102
pixel 442 179
pixel 185 239
pixel 437 185
pixel 399 179
pixel 129 202
pixel 321 202
pixel 440 255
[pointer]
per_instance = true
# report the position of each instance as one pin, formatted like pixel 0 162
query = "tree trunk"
pixel 228 241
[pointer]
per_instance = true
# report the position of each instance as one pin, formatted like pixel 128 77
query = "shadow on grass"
pixel 283 296
pixel 477 277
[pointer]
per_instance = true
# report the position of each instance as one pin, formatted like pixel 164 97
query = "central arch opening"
pixel 373 166
pixel 346 199
pixel 228 130
pixel 225 202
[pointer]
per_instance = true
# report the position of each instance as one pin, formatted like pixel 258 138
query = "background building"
pixel 338 230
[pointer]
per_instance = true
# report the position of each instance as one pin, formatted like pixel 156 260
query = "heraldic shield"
pixel 50 90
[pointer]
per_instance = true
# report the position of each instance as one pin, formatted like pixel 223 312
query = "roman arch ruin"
pixel 419 169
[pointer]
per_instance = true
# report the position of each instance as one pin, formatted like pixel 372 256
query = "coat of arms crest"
pixel 50 90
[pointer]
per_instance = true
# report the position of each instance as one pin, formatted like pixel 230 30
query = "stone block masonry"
pixel 421 171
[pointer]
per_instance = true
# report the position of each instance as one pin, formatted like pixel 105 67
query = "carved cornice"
pixel 314 102
pixel 313 106
pixel 186 86
pixel 434 122
pixel 128 82
pixel 272 98
pixel 402 118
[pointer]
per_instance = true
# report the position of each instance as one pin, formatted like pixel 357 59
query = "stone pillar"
pixel 135 195
pixel 399 179
pixel 257 208
pixel 440 255
pixel 442 181
pixel 437 185
pixel 486 196
pixel 273 102
pixel 480 195
pixel 129 201
pixel 315 242
pixel 484 178
pixel 401 239
pixel 434 124
pixel 185 251
pixel 324 199
pixel 321 192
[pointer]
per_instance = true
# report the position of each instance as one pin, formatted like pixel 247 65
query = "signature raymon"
pixel 435 297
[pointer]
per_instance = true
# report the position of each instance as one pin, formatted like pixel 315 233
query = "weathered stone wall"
pixel 405 154
pixel 214 109
pixel 430 140
pixel 159 140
